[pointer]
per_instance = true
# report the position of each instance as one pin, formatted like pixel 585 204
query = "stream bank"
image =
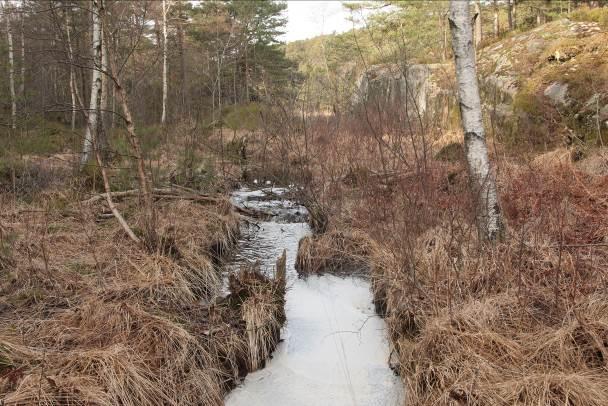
pixel 334 348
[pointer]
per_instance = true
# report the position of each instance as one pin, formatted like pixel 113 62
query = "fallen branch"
pixel 170 193
pixel 156 191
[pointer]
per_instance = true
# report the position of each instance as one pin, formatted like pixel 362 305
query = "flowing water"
pixel 334 349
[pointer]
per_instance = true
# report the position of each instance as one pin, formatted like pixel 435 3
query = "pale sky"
pixel 307 19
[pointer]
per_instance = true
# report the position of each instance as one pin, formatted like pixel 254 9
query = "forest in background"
pixel 123 121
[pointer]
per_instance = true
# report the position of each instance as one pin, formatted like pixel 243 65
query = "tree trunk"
pixel 514 13
pixel 496 21
pixel 164 114
pixel 510 14
pixel 102 142
pixel 482 182
pixel 151 237
pixel 444 32
pixel 22 84
pixel 72 78
pixel 95 84
pixel 478 29
pixel 246 76
pixel 11 65
pixel 182 62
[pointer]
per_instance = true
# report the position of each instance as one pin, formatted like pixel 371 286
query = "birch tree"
pixel 72 76
pixel 11 65
pixel 482 182
pixel 95 83
pixel 22 84
pixel 164 115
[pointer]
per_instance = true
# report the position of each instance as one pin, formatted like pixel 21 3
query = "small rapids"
pixel 334 349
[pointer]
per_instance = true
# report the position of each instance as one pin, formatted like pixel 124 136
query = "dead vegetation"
pixel 90 317
pixel 520 322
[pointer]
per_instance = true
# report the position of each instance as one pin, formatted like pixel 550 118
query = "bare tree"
pixel 164 115
pixel 483 185
pixel 145 184
pixel 96 83
pixel 72 76
pixel 478 29
pixel 496 20
pixel 11 64
pixel 22 84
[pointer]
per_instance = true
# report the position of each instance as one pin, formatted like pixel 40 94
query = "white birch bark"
pixel 72 76
pixel 482 181
pixel 11 65
pixel 22 84
pixel 95 84
pixel 164 115
pixel 104 80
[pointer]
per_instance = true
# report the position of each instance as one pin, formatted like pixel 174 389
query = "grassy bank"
pixel 521 321
pixel 87 316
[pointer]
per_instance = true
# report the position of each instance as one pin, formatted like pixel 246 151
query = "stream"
pixel 334 348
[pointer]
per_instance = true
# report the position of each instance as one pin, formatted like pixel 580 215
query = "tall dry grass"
pixel 518 322
pixel 88 317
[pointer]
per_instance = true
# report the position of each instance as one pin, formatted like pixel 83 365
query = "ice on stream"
pixel 334 349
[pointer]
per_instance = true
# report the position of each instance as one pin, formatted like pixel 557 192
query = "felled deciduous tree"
pixel 482 182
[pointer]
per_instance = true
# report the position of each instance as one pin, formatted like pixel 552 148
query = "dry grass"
pixel 520 322
pixel 335 252
pixel 87 317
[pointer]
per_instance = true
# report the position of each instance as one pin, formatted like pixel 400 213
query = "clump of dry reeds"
pixel 522 321
pixel 88 317
pixel 346 252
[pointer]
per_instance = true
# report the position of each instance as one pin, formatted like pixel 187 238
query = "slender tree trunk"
pixel 95 84
pixel 72 78
pixel 11 65
pixel 496 20
pixel 145 187
pixel 246 76
pixel 514 13
pixel 478 29
pixel 444 32
pixel 102 142
pixel 164 114
pixel 22 84
pixel 510 14
pixel 182 63
pixel 482 181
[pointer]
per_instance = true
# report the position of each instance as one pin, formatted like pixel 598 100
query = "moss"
pixel 452 152
pixel 46 138
pixel 243 116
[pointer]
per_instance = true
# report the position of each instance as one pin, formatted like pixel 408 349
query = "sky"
pixel 307 19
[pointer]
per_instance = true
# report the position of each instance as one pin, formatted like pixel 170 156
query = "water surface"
pixel 334 349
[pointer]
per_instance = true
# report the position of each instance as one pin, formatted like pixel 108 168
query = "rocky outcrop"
pixel 417 89
pixel 549 82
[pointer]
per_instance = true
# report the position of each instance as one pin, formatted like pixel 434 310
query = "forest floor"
pixel 87 316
